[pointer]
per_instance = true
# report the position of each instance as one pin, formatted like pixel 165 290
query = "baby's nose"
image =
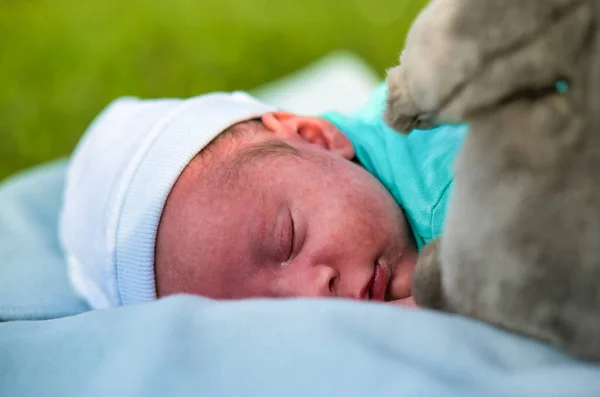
pixel 319 281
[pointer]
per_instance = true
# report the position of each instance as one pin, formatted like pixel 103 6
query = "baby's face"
pixel 284 214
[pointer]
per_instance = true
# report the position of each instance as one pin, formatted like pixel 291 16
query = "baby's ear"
pixel 402 113
pixel 313 130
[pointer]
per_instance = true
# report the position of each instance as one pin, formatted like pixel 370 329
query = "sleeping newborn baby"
pixel 228 198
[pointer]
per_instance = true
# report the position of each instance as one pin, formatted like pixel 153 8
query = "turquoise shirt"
pixel 415 168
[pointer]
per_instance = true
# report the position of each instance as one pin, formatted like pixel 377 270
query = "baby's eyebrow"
pixel 262 150
pixel 257 152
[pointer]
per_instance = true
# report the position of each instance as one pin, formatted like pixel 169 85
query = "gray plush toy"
pixel 521 243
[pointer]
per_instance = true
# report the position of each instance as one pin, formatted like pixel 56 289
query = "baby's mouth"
pixel 379 283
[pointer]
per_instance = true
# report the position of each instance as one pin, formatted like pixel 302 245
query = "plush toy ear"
pixel 401 112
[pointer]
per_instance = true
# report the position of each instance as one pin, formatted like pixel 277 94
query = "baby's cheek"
pixel 400 286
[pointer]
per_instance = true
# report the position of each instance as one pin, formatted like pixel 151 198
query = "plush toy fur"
pixel 521 244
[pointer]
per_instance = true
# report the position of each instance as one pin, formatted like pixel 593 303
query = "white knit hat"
pixel 118 181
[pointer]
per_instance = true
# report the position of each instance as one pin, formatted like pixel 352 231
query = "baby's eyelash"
pixel 289 234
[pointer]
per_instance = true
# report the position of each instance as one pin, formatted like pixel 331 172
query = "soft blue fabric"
pixel 415 168
pixel 33 277
pixel 186 346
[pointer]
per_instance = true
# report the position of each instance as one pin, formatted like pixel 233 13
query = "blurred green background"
pixel 62 61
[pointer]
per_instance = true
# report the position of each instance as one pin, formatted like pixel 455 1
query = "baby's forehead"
pixel 233 139
pixel 243 145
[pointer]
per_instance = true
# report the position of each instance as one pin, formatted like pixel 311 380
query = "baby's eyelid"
pixel 292 235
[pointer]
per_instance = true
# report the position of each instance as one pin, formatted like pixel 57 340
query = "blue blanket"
pixel 189 346
pixel 33 278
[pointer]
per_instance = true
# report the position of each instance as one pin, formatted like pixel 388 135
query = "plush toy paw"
pixel 467 57
pixel 401 112
pixel 426 285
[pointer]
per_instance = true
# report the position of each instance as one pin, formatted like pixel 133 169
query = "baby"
pixel 228 198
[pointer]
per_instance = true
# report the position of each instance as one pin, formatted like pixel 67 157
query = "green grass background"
pixel 62 61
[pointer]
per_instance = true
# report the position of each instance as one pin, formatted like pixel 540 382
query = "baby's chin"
pixel 406 302
pixel 399 286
